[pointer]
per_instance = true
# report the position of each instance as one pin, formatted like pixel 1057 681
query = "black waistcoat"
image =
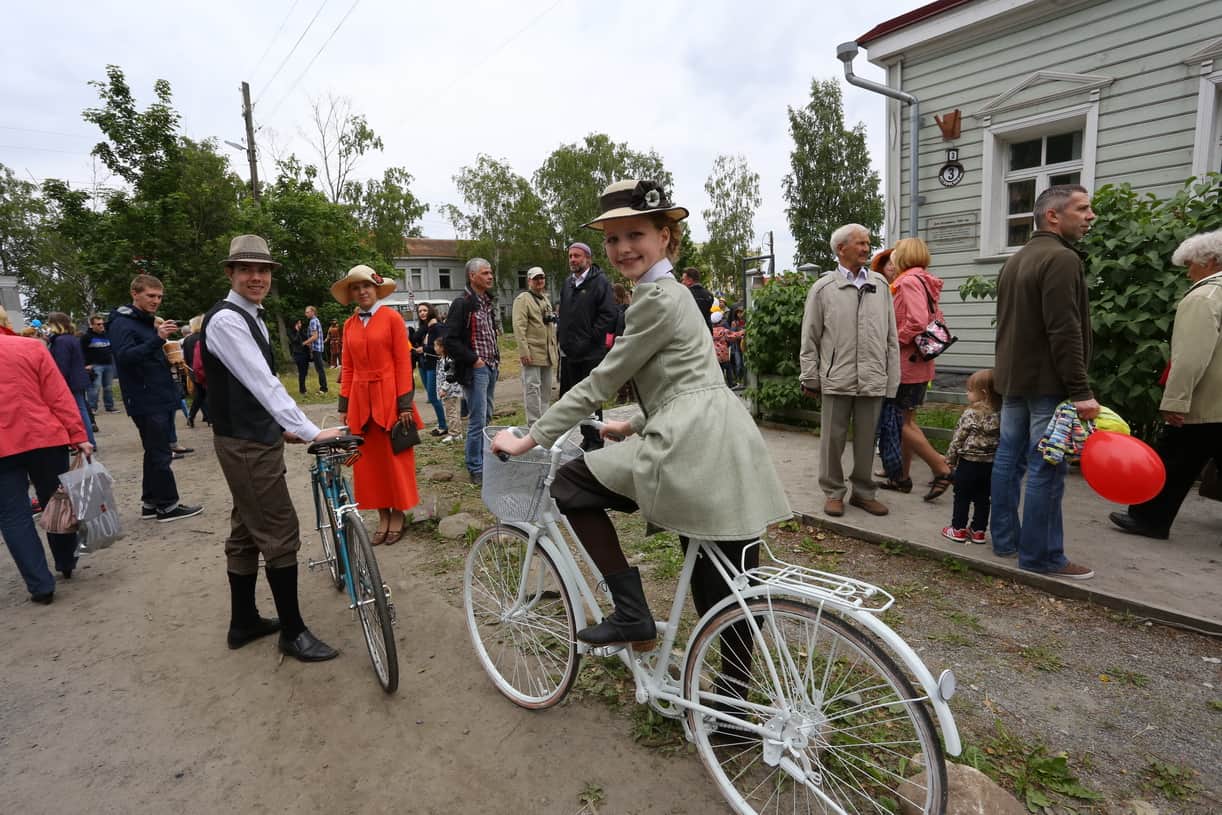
pixel 233 409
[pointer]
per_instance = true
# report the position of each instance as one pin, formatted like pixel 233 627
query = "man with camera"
pixel 534 329
pixel 149 393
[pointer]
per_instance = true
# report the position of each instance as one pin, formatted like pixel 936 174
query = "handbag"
pixel 404 435
pixel 936 338
pixel 57 516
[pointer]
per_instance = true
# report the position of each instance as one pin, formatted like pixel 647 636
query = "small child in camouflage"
pixel 970 456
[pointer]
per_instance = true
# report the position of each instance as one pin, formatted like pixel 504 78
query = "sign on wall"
pixel 952 233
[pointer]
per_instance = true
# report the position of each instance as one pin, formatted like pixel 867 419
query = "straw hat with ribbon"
pixel 360 274
pixel 628 199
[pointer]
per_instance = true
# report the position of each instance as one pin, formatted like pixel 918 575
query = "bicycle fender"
pixel 894 644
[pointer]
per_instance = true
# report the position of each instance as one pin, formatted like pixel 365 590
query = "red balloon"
pixel 1122 468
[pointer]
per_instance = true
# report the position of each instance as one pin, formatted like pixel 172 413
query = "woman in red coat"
pixel 375 394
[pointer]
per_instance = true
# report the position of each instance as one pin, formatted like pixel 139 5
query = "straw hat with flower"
pixel 628 199
pixel 360 274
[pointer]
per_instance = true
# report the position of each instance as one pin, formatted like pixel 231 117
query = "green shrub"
pixel 774 340
pixel 1134 289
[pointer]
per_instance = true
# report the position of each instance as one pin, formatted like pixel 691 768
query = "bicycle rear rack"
pixel 791 578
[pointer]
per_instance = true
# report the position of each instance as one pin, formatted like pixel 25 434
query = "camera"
pixel 548 319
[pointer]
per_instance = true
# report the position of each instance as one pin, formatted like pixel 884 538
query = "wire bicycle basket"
pixel 514 490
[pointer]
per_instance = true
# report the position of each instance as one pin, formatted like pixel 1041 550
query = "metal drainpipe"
pixel 846 52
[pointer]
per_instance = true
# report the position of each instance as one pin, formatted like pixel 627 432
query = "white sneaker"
pixel 447 440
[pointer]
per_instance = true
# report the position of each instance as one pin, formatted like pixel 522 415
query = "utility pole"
pixel 251 155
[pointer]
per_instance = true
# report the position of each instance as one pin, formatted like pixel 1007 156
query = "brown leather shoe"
pixel 833 507
pixel 870 505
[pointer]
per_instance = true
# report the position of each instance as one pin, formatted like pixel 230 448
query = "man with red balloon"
pixel 1042 352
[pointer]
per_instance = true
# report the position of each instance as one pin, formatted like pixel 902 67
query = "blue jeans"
pixel 103 379
pixel 1039 539
pixel 479 414
pixel 158 490
pixel 84 409
pixel 42 466
pixel 429 377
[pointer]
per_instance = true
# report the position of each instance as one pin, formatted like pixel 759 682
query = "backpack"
pixel 936 338
pixel 197 363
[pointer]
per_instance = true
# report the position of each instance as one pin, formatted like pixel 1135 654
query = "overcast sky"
pixel 443 82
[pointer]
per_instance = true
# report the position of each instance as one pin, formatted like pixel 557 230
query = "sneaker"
pixel 148 513
pixel 1011 553
pixel 978 536
pixel 447 440
pixel 1073 571
pixel 176 456
pixel 112 410
pixel 437 431
pixel 178 513
pixel 956 535
pixel 477 479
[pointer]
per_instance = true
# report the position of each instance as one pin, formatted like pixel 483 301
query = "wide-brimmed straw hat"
pixel 249 249
pixel 360 274
pixel 628 199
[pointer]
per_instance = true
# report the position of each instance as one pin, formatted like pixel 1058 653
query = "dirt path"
pixel 122 697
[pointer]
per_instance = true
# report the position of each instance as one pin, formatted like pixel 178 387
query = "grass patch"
pixel 590 797
pixel 1042 658
pixel 938 416
pixel 894 548
pixel 952 638
pixel 1038 778
pixel 1124 677
pixel 968 621
pixel 1174 782
pixel 652 729
pixel 661 552
pixel 603 680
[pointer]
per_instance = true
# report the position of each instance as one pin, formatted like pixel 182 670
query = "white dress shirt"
pixel 229 340
pixel 578 279
pixel 366 316
pixel 858 279
pixel 659 270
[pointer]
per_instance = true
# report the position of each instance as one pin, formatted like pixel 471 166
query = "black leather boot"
pixel 631 623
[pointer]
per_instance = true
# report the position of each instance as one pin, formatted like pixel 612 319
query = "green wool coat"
pixel 697 465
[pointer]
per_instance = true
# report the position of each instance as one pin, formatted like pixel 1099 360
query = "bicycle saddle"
pixel 337 443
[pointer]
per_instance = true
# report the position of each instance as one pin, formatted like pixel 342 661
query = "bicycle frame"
pixel 655 684
pixel 324 472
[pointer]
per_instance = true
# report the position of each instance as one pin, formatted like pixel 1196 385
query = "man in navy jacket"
pixel 149 394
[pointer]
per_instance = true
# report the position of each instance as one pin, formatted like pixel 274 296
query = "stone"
pixel 969 792
pixel 426 510
pixel 456 526
pixel 1138 807
pixel 435 473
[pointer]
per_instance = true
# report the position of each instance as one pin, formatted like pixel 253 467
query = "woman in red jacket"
pixel 39 421
pixel 376 393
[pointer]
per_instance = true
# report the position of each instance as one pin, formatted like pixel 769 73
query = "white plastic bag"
pixel 89 488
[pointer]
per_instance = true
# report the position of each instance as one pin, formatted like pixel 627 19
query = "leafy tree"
pixel 341 138
pixel 21 214
pixel 67 271
pixel 774 341
pixel 388 212
pixel 830 182
pixel 734 192
pixel 572 177
pixel 505 221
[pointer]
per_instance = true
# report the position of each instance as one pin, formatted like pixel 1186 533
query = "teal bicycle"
pixel 348 554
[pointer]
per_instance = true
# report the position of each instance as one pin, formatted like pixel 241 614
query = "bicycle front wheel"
pixel 844 729
pixel 324 516
pixel 520 618
pixel 372 603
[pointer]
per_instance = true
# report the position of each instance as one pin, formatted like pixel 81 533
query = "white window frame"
pixel 1207 144
pixel 993 199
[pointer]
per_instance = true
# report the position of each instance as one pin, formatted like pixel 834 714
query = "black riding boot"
pixel 245 624
pixel 631 623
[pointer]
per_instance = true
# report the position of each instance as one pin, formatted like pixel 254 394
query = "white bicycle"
pixel 796 695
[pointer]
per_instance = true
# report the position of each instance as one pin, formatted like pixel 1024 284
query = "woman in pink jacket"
pixel 915 292
pixel 39 421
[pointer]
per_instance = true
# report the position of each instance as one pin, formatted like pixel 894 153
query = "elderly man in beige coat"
pixel 850 355
pixel 534 330
pixel 1192 400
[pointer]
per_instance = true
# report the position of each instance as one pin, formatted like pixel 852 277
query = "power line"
pixel 42 149
pixel 292 50
pixel 34 130
pixel 272 41
pixel 310 64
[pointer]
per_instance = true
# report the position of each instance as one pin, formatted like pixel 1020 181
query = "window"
pixel 1034 166
pixel 1207 149
pixel 522 279
pixel 1022 159
pixel 417 279
pixel 443 278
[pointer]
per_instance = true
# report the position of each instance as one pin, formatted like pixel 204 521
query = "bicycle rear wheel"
pixel 324 516
pixel 520 620
pixel 372 602
pixel 845 726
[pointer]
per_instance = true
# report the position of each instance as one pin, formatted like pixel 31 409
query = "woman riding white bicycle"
pixel 669 470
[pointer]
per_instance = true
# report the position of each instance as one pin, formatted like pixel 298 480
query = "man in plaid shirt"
pixel 471 335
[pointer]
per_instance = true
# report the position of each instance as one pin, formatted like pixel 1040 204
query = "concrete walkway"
pixel 1177 580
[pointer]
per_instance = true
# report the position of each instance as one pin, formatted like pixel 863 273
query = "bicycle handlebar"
pixel 591 423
